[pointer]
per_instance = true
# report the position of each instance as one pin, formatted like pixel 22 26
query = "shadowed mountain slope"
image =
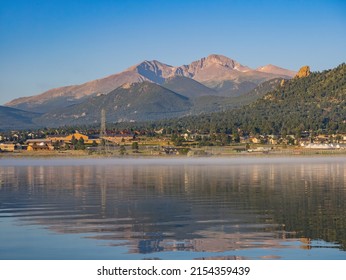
pixel 130 102
pixel 15 118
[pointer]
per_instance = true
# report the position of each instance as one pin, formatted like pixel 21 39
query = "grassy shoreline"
pixel 209 152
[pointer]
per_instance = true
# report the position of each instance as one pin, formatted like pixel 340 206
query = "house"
pixel 255 140
pixel 304 141
pixel 56 138
pixel 168 150
pixel 341 138
pixel 7 147
pixel 68 139
pixel 119 138
pixel 321 139
pixel 273 141
pixel 322 146
pixel 77 136
pixel 39 145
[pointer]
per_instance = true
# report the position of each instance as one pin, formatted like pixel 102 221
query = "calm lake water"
pixel 200 208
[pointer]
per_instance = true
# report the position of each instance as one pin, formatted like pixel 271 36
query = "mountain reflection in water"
pixel 195 205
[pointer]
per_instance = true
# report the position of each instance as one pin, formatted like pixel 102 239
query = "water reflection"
pixel 200 206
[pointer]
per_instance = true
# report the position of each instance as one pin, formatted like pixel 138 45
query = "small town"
pixel 159 142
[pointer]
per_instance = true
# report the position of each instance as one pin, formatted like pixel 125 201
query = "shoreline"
pixel 287 153
pixel 181 162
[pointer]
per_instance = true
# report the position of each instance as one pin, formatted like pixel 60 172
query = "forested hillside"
pixel 313 103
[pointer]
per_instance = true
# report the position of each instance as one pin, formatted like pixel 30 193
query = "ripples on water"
pixel 173 208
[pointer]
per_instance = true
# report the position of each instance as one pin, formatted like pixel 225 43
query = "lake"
pixel 173 208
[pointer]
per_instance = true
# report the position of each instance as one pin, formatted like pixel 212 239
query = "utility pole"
pixel 103 123
pixel 103 132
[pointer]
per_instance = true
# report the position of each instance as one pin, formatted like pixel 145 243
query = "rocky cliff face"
pixel 213 68
pixel 303 72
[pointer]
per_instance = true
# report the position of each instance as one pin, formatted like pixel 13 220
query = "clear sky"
pixel 52 43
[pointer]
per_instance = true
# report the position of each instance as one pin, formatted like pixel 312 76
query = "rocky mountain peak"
pixel 210 67
pixel 221 60
pixel 215 60
pixel 217 73
pixel 153 70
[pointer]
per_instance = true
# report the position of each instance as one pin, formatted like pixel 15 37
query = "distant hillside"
pixel 311 101
pixel 316 102
pixel 188 87
pixel 261 90
pixel 140 102
pixel 276 70
pixel 210 104
pixel 131 102
pixel 13 118
pixel 147 101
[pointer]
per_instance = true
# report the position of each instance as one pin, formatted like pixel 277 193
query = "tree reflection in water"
pixel 200 205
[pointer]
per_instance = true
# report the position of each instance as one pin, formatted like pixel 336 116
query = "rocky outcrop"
pixel 303 72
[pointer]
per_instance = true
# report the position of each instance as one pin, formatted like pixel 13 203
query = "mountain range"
pixel 152 90
pixel 311 101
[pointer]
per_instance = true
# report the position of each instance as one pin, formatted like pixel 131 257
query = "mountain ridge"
pixel 11 117
pixel 130 102
pixel 314 102
pixel 270 68
pixel 217 72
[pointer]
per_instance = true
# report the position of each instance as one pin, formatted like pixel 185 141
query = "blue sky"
pixel 52 43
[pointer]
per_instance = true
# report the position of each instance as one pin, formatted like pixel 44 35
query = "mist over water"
pixel 218 208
